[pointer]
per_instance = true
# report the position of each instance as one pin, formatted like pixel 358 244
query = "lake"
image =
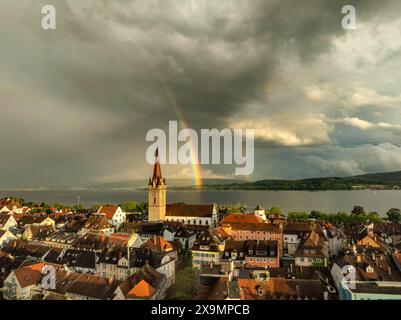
pixel 326 201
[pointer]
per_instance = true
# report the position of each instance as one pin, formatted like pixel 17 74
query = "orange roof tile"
pixel 242 218
pixel 142 290
pixel 109 211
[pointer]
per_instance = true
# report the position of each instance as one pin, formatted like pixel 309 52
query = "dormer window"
pixel 369 269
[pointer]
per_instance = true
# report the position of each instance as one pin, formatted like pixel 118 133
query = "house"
pixel 158 243
pixel 374 290
pixel 145 230
pixel 364 268
pixel 281 289
pixel 57 239
pixel 312 252
pixel 262 254
pixel 293 232
pixel 220 289
pixel 91 241
pixel 114 215
pixel 249 227
pixel 79 261
pixel 207 249
pixel 36 221
pixel 116 263
pixel 390 233
pixel 145 284
pixel 128 239
pixel 7 264
pixel 97 223
pixel 5 237
pixel 9 205
pixel 365 240
pixel 7 222
pixel 75 286
pixel 185 237
pixel 25 282
pixel 241 218
pixel 21 210
pixel 335 238
pixel 251 254
pixel 160 261
pixel 260 212
pixel 24 250
pixel 37 231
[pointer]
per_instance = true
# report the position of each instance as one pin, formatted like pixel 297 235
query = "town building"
pixel 114 215
pixel 158 210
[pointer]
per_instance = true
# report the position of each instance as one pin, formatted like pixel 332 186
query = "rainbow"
pixel 196 167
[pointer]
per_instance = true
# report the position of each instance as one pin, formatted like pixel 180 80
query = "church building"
pixel 158 210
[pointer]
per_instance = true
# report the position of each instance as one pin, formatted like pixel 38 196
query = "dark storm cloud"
pixel 77 102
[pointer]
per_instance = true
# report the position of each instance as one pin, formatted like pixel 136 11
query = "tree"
pixel 298 216
pixel 394 215
pixel 341 217
pixel 276 211
pixel 44 205
pixel 320 216
pixel 129 206
pixel 358 211
pixel 374 217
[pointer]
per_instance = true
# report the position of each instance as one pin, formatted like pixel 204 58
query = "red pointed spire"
pixel 157 178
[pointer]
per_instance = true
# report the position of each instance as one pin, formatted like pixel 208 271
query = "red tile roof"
pixel 29 275
pixel 241 218
pixel 142 290
pixel 189 210
pixel 109 211
pixel 158 243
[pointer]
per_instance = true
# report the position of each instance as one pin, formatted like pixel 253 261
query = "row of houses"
pixel 255 256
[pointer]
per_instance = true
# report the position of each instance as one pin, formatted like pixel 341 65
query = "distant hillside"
pixel 389 180
pixel 172 183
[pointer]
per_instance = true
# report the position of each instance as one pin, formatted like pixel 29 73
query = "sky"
pixel 76 102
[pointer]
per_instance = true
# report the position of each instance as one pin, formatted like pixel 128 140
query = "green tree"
pixel 129 206
pixel 394 215
pixel 358 211
pixel 44 205
pixel 320 216
pixel 341 217
pixel 298 216
pixel 276 211
pixel 374 217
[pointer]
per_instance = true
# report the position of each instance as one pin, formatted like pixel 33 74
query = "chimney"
pixel 291 268
pixel 389 270
pixel 358 258
pixel 111 279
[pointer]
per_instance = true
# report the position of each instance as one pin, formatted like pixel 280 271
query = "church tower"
pixel 157 190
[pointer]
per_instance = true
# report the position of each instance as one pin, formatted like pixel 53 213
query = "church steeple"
pixel 157 178
pixel 157 193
